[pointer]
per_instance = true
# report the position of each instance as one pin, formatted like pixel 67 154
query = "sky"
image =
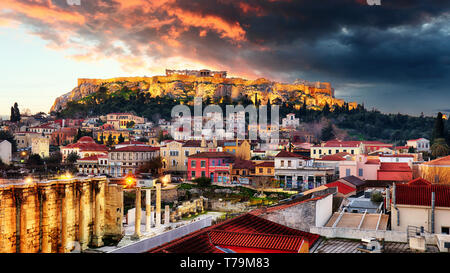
pixel 394 57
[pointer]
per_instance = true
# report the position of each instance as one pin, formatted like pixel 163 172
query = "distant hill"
pixel 185 87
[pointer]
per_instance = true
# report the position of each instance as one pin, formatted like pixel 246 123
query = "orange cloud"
pixel 233 31
pixel 38 10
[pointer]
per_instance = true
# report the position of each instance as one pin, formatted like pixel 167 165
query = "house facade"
pixel 214 165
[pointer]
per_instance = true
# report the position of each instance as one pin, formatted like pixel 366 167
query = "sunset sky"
pixel 394 57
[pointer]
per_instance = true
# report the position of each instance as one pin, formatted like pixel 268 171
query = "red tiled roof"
pixel 243 164
pixel 439 161
pixel 87 144
pixel 373 161
pixel 419 182
pixel 89 158
pixel 256 240
pixel 397 167
pixel 420 195
pixel 240 227
pixel 267 164
pixel 284 153
pixel 332 158
pixel 136 149
pixel 341 187
pixel 211 155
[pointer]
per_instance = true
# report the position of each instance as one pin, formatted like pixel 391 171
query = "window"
pixel 314 151
pixel 213 162
pixel 186 153
pixel 353 152
pixel 289 163
pixel 282 163
pixel 360 172
pixel 193 174
pixel 203 174
pixel 320 152
pixel 193 163
pixel 202 163
pixel 329 152
pixel 347 172
pixel 445 230
pixel 260 170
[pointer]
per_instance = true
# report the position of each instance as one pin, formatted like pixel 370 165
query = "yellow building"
pixel 436 171
pixel 115 134
pixel 121 120
pixel 175 153
pixel 266 168
pixel 240 148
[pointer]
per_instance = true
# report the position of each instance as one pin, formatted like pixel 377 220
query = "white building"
pixel 290 121
pixel 40 146
pixel 420 144
pixel 296 171
pixel 5 152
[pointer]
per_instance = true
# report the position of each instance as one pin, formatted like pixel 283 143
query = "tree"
pixel 17 112
pixel 121 139
pixel 440 148
pixel 202 181
pixel 6 135
pixel 411 150
pixel 152 166
pixel 327 132
pixel 110 140
pixel 35 160
pixel 130 124
pixel 439 128
pixel 72 158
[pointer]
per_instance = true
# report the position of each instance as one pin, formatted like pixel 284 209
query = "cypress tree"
pixel 439 130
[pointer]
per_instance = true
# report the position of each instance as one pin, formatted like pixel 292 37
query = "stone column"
pixel 137 222
pixel 7 220
pixel 99 217
pixel 166 215
pixel 67 217
pixel 148 199
pixel 29 221
pixel 84 213
pixel 152 216
pixel 49 217
pixel 158 205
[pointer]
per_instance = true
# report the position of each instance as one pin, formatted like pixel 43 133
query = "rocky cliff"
pixel 315 94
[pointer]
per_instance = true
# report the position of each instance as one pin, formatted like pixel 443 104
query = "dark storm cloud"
pixel 403 44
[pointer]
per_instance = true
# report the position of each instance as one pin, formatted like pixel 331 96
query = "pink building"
pixel 214 165
pixel 362 166
pixel 372 168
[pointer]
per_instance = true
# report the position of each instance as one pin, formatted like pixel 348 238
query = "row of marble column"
pixel 149 213
pixel 45 224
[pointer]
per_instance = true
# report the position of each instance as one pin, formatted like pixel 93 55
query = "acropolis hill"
pixel 206 83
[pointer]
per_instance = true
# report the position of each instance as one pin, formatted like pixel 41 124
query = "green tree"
pixel 152 166
pixel 327 132
pixel 110 140
pixel 439 128
pixel 121 139
pixel 202 181
pixel 440 148
pixel 72 158
pixel 6 135
pixel 17 112
pixel 34 160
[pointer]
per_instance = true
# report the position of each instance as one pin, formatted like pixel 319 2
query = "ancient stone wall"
pixel 56 216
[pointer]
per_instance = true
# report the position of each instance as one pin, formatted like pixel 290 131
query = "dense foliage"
pixel 359 123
